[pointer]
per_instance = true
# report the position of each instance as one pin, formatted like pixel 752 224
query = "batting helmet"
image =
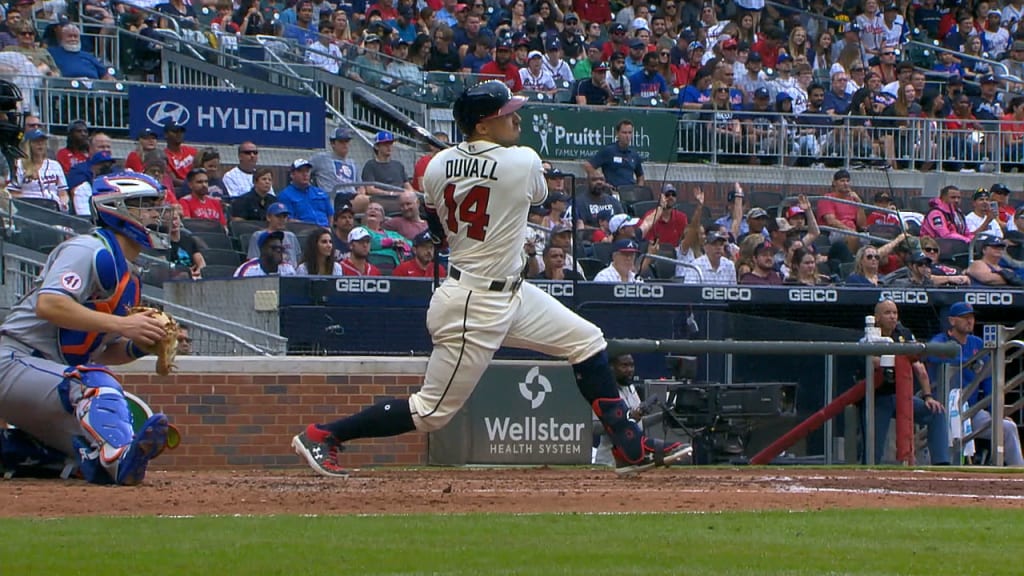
pixel 486 100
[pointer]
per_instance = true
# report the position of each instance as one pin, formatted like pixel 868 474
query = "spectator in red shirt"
pixel 198 203
pixel 665 224
pixel 421 265
pixel 420 168
pixel 617 42
pixel 77 149
pixel 502 65
pixel 768 46
pixel 358 263
pixel 599 11
pixel 883 200
pixel 1001 195
pixel 179 156
pixel 146 142
pixel 841 215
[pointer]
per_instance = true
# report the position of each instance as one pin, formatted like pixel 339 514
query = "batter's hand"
pixel 142 328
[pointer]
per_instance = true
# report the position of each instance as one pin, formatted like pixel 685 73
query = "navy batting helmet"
pixel 489 99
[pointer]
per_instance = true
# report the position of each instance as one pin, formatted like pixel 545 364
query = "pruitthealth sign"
pixel 576 133
pixel 519 414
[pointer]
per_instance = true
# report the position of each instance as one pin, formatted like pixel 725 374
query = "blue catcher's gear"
pixel 114 198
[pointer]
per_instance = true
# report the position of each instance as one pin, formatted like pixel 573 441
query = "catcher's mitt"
pixel 167 348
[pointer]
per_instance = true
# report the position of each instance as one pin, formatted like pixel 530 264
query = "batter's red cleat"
pixel 656 453
pixel 319 449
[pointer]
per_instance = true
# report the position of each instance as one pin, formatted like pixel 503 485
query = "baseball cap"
pixel 920 258
pixel 955 80
pixel 557 197
pixel 76 123
pixel 640 24
pixel 979 194
pixel 399 41
pixel 358 233
pixel 617 27
pixel 851 27
pixel 605 214
pixel 345 207
pixel 883 195
pixel 715 236
pixel 961 309
pixel 795 211
pixel 756 213
pixel 371 38
pixel 100 157
pixel 990 79
pixel 626 246
pixel 383 137
pixel 554 173
pixel 552 44
pixel 991 13
pixel 729 43
pixel 999 188
pixel 637 43
pixel 171 126
pixel 342 133
pixel 620 220
pixel 278 208
pixel 421 238
pixel 617 55
pixel 1018 45
pixel 301 163
pixel 266 236
pixel 764 246
pixel 560 229
pixel 992 241
pixel 534 54
pixel 783 96
pixel 695 45
pixel 147 133
pixel 762 93
pixel 33 135
pixel 669 190
pixel 599 67
pixel 754 57
pixel 570 16
pixel 783 58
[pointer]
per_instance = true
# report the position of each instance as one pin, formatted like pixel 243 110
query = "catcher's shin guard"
pixel 627 440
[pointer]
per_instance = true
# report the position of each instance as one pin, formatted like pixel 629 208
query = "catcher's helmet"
pixel 12 123
pixel 485 100
pixel 114 195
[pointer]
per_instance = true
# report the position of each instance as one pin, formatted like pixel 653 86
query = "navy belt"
pixel 495 285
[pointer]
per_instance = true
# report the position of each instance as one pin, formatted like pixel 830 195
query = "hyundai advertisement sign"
pixel 223 117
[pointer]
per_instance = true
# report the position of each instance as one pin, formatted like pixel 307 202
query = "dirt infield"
pixel 517 490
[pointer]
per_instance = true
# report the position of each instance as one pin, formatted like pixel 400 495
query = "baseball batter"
pixel 56 344
pixel 478 195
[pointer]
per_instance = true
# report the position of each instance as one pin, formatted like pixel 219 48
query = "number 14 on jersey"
pixel 470 210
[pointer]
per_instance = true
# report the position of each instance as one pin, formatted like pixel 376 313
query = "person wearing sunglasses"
pixel 270 262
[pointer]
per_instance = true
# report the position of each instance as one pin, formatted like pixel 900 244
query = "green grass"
pixel 934 542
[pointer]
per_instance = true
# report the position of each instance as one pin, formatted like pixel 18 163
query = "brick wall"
pixel 237 412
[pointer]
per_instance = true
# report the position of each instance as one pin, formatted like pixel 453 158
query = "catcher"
pixel 55 388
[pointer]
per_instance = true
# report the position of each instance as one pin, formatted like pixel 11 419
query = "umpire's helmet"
pixel 485 100
pixel 12 123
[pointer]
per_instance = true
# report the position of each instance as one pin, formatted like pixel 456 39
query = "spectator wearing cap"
pixel 883 200
pixel 444 57
pixel 622 268
pixel 557 205
pixel 383 169
pixel 992 269
pixel 635 56
pixel 751 79
pixel 333 169
pixel 623 227
pixel 503 66
pixel 185 253
pixel 318 255
pixel 270 261
pixel 421 265
pixel 408 223
pixel 618 82
pixel 984 216
pixel 966 369
pixel 1001 196
pixel 760 127
pixel 323 53
pixel 100 164
pixel 478 55
pixel 664 223
pixel 617 42
pixel 585 66
pixel 357 263
pixel 840 214
pixel 76 149
pixel 763 272
pixel 554 178
pixel 553 62
pixel 534 77
pixel 341 224
pixel 784 80
pixel 619 163
pixel 198 203
pixel 305 202
pixel 571 38
pixel 180 156
pixel 757 224
pixel 369 67
pixel 253 204
pixel 994 36
pixel 146 141
pixel 894 26
pixel 691 59
pixel 916 273
pixel 988 106
pixel 593 91
pixel 713 266
pixel 277 217
pixel 72 60
pixel 768 46
pixel 734 222
pixel 36 176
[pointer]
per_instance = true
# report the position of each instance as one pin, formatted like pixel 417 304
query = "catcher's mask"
pixel 12 123
pixel 123 202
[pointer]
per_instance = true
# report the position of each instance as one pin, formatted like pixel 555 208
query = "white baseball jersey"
pixel 482 192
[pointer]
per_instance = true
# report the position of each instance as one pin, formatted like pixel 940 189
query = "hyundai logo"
pixel 165 111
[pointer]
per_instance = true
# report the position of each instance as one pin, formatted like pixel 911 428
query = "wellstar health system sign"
pixel 576 133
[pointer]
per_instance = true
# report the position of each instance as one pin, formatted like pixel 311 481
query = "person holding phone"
pixel 984 217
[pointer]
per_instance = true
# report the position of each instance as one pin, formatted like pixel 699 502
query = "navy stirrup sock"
pixel 388 418
pixel 594 378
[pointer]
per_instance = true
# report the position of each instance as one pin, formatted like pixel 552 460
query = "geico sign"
pixel 813 295
pixel 556 288
pixel 989 298
pixel 906 296
pixel 725 293
pixel 639 291
pixel 357 284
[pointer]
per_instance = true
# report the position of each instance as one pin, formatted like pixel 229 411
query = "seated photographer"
pixel 991 269
pixel 623 368
pixel 927 410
